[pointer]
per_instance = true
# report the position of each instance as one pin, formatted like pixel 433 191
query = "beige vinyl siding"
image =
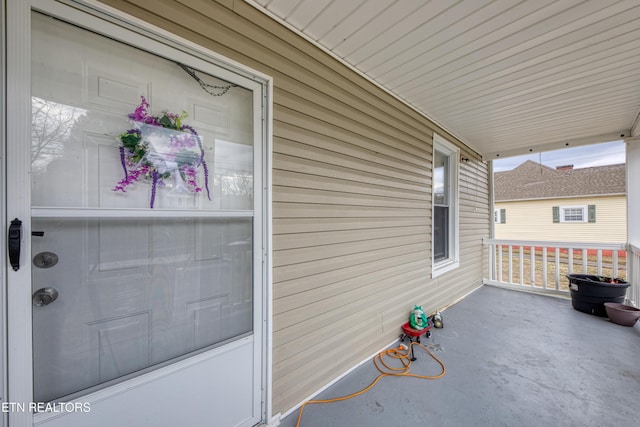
pixel 351 198
pixel 533 220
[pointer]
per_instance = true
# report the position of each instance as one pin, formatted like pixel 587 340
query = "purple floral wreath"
pixel 161 147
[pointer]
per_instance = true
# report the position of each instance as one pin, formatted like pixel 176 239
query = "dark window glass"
pixel 441 206
pixel 440 233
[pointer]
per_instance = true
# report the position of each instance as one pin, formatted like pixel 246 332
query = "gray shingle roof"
pixel 532 180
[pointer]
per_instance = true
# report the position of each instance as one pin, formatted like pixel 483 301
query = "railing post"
pixel 599 262
pixel 521 265
pixel 492 262
pixel 510 264
pixel 633 275
pixel 544 267
pixel 570 261
pixel 635 283
pixel 499 263
pixel 532 262
pixel 557 269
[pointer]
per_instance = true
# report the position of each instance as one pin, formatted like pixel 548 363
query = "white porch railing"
pixel 633 276
pixel 543 266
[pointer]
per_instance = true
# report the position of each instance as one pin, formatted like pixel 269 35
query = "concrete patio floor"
pixel 513 359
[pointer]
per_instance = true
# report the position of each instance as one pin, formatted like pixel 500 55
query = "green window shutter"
pixel 503 216
pixel 556 214
pixel 592 213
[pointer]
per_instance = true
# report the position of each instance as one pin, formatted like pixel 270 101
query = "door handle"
pixel 15 236
pixel 44 296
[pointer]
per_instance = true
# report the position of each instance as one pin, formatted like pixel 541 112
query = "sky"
pixel 608 153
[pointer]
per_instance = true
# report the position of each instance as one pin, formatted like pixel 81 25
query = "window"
pixel 574 213
pixel 500 216
pixel 445 206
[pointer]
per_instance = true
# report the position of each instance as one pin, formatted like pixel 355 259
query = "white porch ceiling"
pixel 505 76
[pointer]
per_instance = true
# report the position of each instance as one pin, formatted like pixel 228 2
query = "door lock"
pixel 44 296
pixel 45 260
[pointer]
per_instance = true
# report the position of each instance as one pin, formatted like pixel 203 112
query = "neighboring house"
pixel 536 202
pixel 322 231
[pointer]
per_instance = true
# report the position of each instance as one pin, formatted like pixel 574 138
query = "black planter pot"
pixel 590 292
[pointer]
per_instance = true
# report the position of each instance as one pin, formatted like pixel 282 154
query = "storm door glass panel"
pixel 136 288
pixel 136 293
pixel 87 93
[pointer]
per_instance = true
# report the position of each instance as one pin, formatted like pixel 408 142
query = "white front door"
pixel 144 305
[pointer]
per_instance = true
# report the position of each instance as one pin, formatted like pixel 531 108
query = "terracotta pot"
pixel 622 314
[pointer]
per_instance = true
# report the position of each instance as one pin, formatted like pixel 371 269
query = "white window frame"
pixel 496 216
pixel 585 214
pixel 453 260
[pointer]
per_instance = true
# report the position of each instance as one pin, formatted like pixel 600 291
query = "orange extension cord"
pixel 400 353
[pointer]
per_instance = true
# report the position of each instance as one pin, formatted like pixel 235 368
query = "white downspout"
pixel 492 223
pixel 492 205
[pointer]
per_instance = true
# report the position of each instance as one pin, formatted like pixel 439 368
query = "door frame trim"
pixel 18 48
pixel 101 19
pixel 3 217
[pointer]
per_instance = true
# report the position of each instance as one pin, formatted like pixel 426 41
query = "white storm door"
pixel 144 306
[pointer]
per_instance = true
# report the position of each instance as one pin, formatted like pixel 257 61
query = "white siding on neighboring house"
pixel 533 220
pixel 351 198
